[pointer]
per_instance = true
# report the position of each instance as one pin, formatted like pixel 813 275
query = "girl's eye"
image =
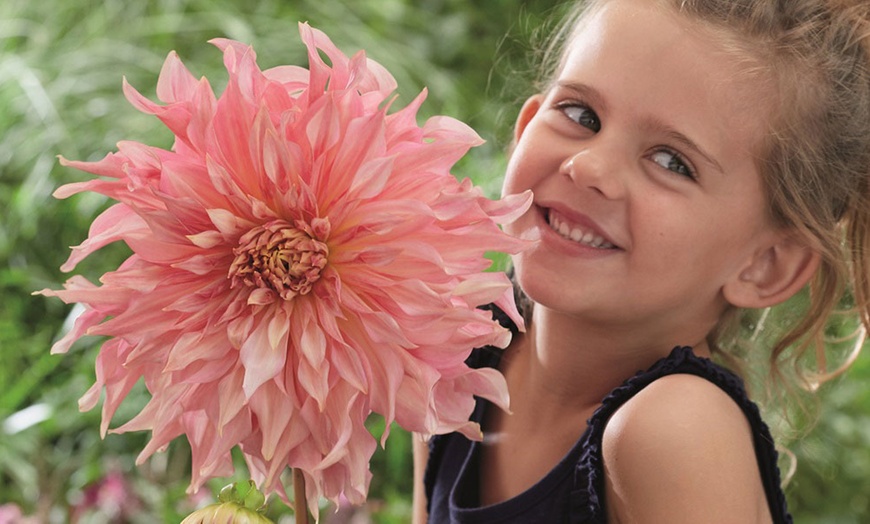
pixel 672 162
pixel 583 116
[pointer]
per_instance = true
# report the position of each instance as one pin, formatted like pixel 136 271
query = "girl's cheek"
pixel 509 184
pixel 518 175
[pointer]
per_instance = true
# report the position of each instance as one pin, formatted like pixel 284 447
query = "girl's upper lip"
pixel 582 221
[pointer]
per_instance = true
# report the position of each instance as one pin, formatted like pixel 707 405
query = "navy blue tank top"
pixel 573 491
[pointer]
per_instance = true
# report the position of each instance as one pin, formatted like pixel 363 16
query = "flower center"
pixel 286 258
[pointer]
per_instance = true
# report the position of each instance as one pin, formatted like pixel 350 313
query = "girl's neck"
pixel 562 363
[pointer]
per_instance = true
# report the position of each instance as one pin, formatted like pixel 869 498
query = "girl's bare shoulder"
pixel 681 450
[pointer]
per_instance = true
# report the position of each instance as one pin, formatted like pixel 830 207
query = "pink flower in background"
pixel 302 258
pixel 11 514
pixel 111 497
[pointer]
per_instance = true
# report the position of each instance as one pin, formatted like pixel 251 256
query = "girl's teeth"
pixel 578 235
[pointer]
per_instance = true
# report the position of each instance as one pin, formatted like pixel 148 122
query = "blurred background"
pixel 61 65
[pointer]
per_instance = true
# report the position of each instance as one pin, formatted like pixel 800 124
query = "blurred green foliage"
pixel 61 65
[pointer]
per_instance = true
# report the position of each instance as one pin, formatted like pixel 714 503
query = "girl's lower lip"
pixel 559 243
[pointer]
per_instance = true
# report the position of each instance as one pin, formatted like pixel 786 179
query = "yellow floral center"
pixel 286 258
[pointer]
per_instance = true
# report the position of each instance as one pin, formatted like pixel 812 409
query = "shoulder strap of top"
pixel 681 360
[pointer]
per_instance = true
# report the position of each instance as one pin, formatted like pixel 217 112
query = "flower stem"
pixel 299 500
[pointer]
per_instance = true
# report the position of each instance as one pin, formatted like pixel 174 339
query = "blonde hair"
pixel 814 161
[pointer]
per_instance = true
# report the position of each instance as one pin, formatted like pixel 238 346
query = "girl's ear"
pixel 774 274
pixel 527 112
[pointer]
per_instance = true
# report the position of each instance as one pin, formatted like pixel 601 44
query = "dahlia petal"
pixel 397 217
pixel 79 289
pixel 509 208
pixel 111 165
pixel 142 156
pixel 414 298
pixel 188 348
pixel 213 461
pixel 222 180
pixel 402 125
pixel 375 256
pixel 202 110
pixel 319 72
pixel 276 158
pixel 234 52
pixel 314 380
pixel 262 359
pixel 482 288
pixel 442 152
pixel 202 290
pixel 175 83
pixel 231 397
pixel 162 415
pixel 262 297
pixel 197 264
pixel 354 178
pixel 323 130
pixel 414 409
pixel 183 179
pixel 130 320
pixel 261 212
pixel 350 367
pixel 489 384
pixel 371 178
pixel 293 77
pixel 313 344
pixel 507 303
pixel 222 442
pixel 68 190
pixel 205 371
pixel 175 116
pixel 140 101
pixel 378 80
pixel 206 239
pixel 233 118
pixel 270 407
pixel 82 323
pixel 228 224
pixel 114 397
pixel 89 400
pixel 451 130
pixel 239 329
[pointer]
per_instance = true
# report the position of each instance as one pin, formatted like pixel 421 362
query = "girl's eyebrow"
pixel 584 92
pixel 657 126
pixel 594 98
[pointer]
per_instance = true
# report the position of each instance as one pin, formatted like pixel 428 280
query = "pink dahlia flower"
pixel 302 258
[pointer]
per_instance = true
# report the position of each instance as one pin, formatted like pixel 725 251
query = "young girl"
pixel 689 159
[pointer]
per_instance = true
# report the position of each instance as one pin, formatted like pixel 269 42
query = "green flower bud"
pixel 238 503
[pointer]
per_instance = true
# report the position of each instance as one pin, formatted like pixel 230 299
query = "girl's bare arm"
pixel 421 456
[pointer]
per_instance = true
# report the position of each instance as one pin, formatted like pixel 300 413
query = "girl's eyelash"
pixel 569 104
pixel 593 123
pixel 683 161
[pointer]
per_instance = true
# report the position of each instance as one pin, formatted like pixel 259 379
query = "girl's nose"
pixel 597 169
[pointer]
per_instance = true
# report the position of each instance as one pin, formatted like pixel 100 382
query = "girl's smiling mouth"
pixel 576 233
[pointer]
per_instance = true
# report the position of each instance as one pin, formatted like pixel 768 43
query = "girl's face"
pixel 647 196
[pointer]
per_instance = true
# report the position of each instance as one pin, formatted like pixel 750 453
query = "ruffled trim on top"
pixel 589 480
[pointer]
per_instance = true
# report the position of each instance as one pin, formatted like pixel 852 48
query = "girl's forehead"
pixel 649 63
pixel 652 42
